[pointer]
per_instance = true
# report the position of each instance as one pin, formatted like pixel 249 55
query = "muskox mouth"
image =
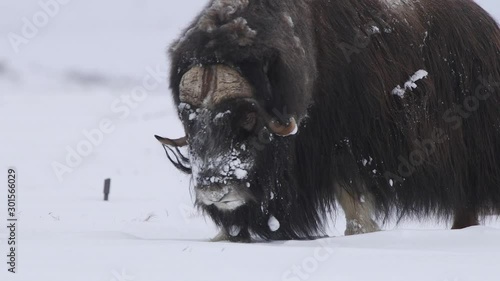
pixel 226 198
pixel 229 205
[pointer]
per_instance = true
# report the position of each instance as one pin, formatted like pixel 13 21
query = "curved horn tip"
pixel 177 143
pixel 284 130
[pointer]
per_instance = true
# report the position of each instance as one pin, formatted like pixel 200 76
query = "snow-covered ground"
pixel 78 85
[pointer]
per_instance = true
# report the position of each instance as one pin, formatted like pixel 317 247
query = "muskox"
pixel 388 107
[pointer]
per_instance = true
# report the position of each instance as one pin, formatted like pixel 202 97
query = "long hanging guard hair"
pixel 181 162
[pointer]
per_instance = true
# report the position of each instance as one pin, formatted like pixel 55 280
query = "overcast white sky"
pixel 118 36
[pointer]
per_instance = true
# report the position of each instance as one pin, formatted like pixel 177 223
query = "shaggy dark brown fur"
pixel 427 148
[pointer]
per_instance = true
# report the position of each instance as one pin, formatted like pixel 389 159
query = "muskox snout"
pixel 224 197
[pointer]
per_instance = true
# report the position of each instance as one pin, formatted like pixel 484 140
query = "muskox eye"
pixel 248 121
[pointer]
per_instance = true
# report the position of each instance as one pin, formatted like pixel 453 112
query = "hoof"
pixel 355 227
pixel 223 236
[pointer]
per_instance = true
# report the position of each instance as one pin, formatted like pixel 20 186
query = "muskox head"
pixel 226 129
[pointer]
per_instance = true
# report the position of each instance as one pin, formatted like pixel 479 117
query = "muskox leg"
pixel 465 218
pixel 358 213
pixel 242 237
